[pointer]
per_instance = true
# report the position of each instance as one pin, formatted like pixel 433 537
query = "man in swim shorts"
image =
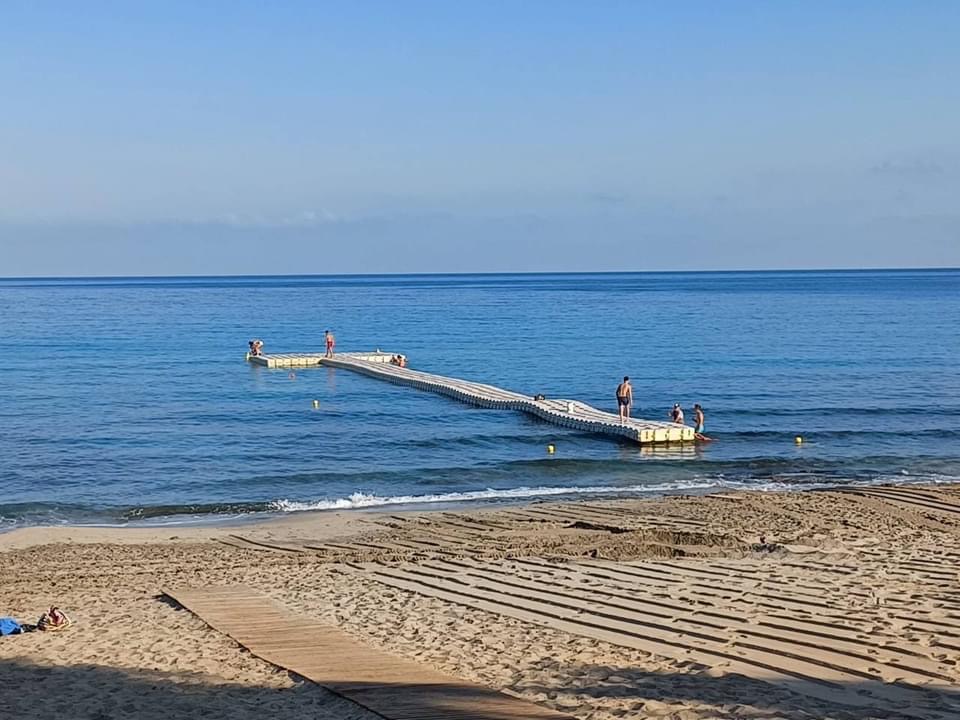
pixel 699 421
pixel 331 342
pixel 624 398
pixel 698 418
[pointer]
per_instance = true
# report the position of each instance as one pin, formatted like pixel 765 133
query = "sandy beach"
pixel 479 361
pixel 738 605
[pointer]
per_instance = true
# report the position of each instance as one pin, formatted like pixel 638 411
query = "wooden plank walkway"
pixel 566 413
pixel 391 687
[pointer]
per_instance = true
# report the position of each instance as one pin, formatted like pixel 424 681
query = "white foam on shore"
pixel 360 500
pixel 364 500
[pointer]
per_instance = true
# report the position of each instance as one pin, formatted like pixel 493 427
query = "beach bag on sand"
pixel 53 619
pixel 9 626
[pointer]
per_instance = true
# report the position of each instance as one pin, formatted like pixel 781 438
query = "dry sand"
pixel 806 605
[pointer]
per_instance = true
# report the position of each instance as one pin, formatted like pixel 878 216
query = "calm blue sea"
pixel 129 399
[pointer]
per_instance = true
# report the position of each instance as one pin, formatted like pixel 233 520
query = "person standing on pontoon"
pixel 331 342
pixel 624 398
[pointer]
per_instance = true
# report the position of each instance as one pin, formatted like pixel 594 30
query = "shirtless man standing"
pixel 331 342
pixel 698 421
pixel 624 398
pixel 698 418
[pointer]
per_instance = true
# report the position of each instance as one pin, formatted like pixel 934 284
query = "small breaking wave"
pixel 364 500
pixel 26 514
pixel 360 500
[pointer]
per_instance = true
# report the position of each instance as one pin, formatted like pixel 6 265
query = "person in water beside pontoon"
pixel 698 422
pixel 624 398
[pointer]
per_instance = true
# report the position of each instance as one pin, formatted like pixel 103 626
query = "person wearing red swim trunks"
pixel 331 342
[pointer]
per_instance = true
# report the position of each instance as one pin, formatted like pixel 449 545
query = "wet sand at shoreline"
pixel 747 604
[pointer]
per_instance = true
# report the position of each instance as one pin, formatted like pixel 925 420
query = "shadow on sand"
pixel 93 692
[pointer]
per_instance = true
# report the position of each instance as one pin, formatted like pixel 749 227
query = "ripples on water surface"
pixel 129 398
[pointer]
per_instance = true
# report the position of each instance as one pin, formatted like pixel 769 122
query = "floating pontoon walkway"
pixel 393 688
pixel 566 413
pixel 289 360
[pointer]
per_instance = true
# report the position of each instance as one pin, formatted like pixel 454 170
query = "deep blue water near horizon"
pixel 128 398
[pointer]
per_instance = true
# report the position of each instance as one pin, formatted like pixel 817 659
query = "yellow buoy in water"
pixel 798 440
pixel 316 404
pixel 551 449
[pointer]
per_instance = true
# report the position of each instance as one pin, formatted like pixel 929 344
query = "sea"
pixel 129 401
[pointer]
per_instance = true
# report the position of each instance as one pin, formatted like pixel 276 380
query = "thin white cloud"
pixel 299 219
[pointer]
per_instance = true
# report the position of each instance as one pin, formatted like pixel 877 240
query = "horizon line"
pixel 189 276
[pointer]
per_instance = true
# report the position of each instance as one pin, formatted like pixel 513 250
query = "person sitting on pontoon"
pixel 677 414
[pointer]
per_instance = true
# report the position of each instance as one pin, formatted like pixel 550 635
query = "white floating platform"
pixel 284 360
pixel 566 413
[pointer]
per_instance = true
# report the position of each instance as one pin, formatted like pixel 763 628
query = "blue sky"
pixel 220 138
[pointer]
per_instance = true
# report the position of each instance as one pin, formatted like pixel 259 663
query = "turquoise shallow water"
pixel 128 399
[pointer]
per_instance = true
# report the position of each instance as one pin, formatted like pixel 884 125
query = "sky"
pixel 476 136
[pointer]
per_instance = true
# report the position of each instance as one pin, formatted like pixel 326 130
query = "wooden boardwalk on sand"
pixel 391 687
pixel 566 413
